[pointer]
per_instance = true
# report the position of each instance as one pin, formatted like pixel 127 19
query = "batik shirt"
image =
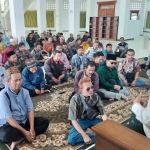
pixel 126 67
pixel 23 55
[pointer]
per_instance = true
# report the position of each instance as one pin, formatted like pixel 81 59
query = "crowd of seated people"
pixel 31 66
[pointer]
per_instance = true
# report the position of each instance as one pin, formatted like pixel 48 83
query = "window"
pixel 66 5
pixel 134 15
pixel 107 6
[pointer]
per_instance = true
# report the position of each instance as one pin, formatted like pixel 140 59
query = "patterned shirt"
pixel 77 110
pixel 126 67
pixel 91 51
pixel 37 54
pixel 23 55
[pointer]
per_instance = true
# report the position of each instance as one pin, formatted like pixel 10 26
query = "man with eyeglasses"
pixel 110 84
pixel 17 120
pixel 82 122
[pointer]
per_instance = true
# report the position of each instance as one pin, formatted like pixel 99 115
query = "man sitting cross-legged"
pixel 33 79
pixel 82 120
pixel 129 69
pixel 79 61
pixel 89 71
pixel 17 119
pixel 109 81
pixel 55 70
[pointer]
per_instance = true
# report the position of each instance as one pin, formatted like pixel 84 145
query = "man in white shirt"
pixel 140 119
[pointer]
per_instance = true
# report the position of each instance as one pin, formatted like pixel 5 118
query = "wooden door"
pixel 106 9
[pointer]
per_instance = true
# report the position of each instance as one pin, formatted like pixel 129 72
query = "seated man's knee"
pixel 71 140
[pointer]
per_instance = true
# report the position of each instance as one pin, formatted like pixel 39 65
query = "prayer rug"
pixel 54 106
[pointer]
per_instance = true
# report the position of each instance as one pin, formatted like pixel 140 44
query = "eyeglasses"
pixel 113 63
pixel 88 89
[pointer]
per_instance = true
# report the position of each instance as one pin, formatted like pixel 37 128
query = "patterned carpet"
pixel 55 107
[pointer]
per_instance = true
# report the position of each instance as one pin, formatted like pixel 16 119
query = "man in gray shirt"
pixel 17 119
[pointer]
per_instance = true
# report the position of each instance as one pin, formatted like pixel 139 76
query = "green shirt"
pixel 105 74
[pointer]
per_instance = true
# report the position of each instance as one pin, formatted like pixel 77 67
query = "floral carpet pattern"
pixel 55 107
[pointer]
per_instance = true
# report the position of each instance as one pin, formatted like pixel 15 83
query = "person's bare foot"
pixel 124 97
pixel 13 144
pixel 88 130
pixel 111 99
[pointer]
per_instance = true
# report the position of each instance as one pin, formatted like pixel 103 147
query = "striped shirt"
pixel 91 51
pixel 77 110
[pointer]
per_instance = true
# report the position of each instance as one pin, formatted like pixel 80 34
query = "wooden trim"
pixel 106 3
pixel 119 137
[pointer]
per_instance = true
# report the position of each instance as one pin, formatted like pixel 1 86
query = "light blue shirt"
pixel 18 106
pixel 106 53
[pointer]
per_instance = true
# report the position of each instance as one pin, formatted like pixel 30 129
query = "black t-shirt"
pixel 31 42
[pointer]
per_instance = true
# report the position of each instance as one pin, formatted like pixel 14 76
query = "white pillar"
pixel 143 16
pixel 41 15
pixel 88 14
pixel 59 15
pixel 17 18
pixel 74 17
pixel 124 17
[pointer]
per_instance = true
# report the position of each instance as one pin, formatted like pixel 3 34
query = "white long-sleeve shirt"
pixel 143 115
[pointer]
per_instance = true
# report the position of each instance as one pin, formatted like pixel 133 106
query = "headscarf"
pixel 1 64
pixel 5 40
pixel 25 42
pixel 4 55
pixel 2 48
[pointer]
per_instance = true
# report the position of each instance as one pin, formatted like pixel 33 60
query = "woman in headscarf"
pixel 2 49
pixel 5 40
pixel 22 40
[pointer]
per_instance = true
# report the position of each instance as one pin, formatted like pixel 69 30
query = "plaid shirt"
pixel 77 110
pixel 23 55
pixel 91 51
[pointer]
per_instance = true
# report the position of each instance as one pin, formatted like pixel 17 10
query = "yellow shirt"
pixel 85 47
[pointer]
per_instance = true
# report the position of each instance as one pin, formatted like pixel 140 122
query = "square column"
pixel 17 18
pixel 59 15
pixel 41 15
pixel 88 12
pixel 124 17
pixel 74 17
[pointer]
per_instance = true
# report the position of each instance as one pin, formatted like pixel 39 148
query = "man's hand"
pixel 87 139
pixel 104 117
pixel 138 99
pixel 133 83
pixel 27 135
pixel 61 77
pixel 42 91
pixel 146 68
pixel 55 80
pixel 124 81
pixel 37 91
pixel 117 87
pixel 32 133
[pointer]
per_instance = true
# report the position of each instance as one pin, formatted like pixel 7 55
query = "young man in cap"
pixel 110 83
pixel 55 70
pixel 17 119
pixel 129 69
pixel 82 119
pixel 13 61
pixel 33 79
